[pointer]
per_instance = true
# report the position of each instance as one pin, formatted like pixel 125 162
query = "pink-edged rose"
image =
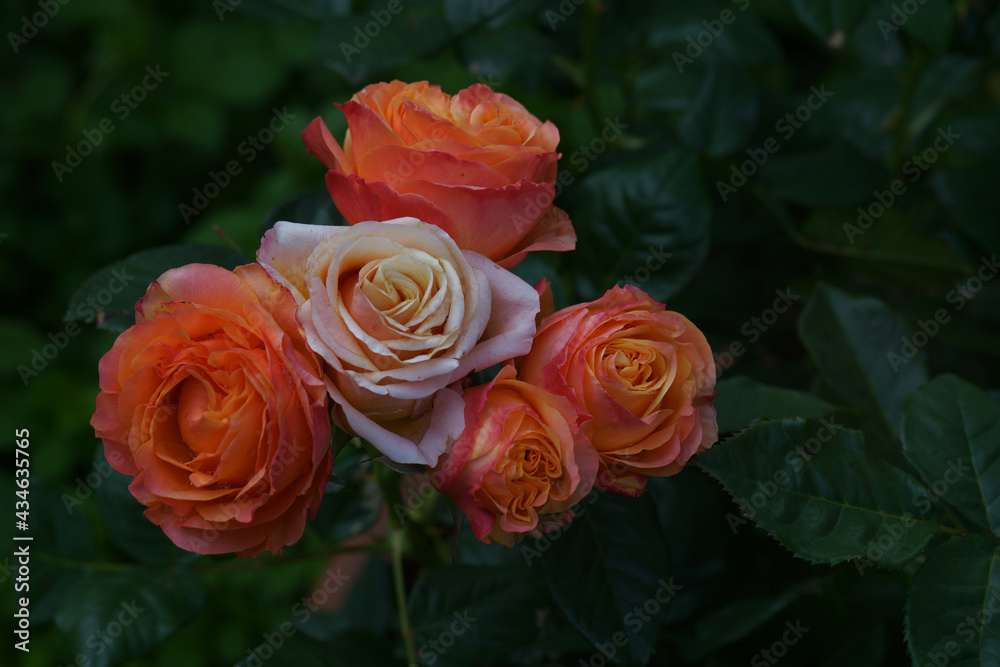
pixel 399 313
pixel 215 405
pixel 522 462
pixel 476 164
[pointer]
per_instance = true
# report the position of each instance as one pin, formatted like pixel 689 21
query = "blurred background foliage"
pixel 685 94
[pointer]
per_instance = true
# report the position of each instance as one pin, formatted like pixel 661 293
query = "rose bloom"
pixel 644 375
pixel 216 407
pixel 476 164
pixel 521 463
pixel 399 313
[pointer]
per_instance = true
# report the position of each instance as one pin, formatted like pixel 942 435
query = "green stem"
pixel 397 541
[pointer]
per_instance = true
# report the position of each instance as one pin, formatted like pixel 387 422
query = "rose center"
pixel 410 296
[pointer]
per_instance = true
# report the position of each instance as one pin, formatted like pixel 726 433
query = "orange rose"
pixel 522 459
pixel 644 375
pixel 478 165
pixel 216 406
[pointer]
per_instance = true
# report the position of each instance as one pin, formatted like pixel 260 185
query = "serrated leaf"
pixel 821 492
pixel 602 581
pixel 951 434
pixel 113 617
pixel 850 339
pixel 741 400
pixel 950 600
pixel 645 223
pixel 109 295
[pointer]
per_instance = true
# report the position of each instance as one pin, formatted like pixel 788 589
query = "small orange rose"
pixel 643 375
pixel 521 460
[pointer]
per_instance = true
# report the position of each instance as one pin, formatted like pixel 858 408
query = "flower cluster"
pixel 218 401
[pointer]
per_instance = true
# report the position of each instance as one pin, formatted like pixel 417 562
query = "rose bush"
pixel 399 313
pixel 644 375
pixel 477 165
pixel 521 463
pixel 216 407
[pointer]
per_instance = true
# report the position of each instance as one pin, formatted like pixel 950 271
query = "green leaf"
pixel 837 175
pixel 951 434
pixel 824 17
pixel 462 613
pixel 128 527
pixel 736 620
pixel 720 118
pixel 353 499
pixel 741 401
pixel 109 295
pixel 855 342
pixel 952 600
pixel 930 21
pixel 604 583
pixel 645 223
pixel 892 241
pixel 820 491
pixel 113 617
pixel 948 78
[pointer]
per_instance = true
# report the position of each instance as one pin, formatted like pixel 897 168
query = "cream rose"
pixel 399 312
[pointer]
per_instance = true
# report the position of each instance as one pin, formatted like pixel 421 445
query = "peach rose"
pixel 521 463
pixel 644 375
pixel 477 165
pixel 399 312
pixel 215 405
